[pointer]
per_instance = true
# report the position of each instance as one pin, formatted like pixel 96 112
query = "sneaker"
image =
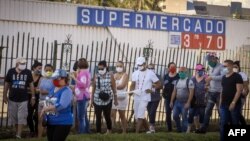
pixel 150 132
pixel 200 131
pixel 18 137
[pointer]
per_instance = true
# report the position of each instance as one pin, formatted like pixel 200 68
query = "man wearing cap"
pixel 17 81
pixel 214 88
pixel 142 82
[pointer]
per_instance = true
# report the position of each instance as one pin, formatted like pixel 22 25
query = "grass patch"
pixel 163 136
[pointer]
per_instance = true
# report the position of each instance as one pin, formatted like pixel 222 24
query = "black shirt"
pixel 19 84
pixel 169 83
pixel 229 88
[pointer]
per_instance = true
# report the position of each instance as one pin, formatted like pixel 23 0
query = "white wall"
pixel 55 20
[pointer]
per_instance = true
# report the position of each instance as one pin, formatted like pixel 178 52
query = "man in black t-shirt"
pixel 232 85
pixel 17 81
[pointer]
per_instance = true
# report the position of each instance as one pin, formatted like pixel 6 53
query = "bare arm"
pixel 157 85
pixel 124 82
pixel 32 89
pixel 245 88
pixel 239 88
pixel 113 85
pixel 173 95
pixel 93 89
pixel 191 95
pixel 5 91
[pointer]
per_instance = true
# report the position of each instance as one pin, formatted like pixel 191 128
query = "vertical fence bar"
pixel 7 45
pixel 23 44
pixel 2 39
pixel 17 44
pixel 28 47
pixel 42 50
pixel 47 53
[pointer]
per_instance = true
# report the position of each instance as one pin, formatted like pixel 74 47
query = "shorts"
pixel 140 108
pixel 18 112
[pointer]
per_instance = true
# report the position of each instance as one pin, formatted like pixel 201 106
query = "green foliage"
pixel 151 5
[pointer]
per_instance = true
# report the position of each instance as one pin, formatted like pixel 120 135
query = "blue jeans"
pixel 225 115
pixel 152 107
pixel 213 98
pixel 196 111
pixel 83 121
pixel 168 114
pixel 177 111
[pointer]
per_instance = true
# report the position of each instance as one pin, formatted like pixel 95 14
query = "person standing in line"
pixel 153 104
pixel 214 89
pixel 230 103
pixel 169 81
pixel 58 111
pixel 45 86
pixel 121 79
pixel 198 103
pixel 142 83
pixel 82 94
pixel 17 81
pixel 104 91
pixel 245 91
pixel 181 99
pixel 32 118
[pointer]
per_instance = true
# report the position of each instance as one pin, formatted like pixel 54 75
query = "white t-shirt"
pixel 244 76
pixel 182 92
pixel 143 81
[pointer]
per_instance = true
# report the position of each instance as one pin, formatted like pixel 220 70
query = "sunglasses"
pixel 151 68
pixel 100 68
pixel 225 66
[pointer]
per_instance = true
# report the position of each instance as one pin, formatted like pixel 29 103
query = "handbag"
pixel 102 95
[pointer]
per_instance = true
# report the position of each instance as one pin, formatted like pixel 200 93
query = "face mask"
pixel 48 74
pixel 235 70
pixel 182 75
pixel 172 69
pixel 56 83
pixel 225 71
pixel 140 68
pixel 212 64
pixel 119 69
pixel 200 73
pixel 21 67
pixel 37 72
pixel 102 72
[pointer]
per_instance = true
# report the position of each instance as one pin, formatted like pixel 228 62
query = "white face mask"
pixel 102 72
pixel 21 67
pixel 235 70
pixel 140 68
pixel 119 69
pixel 225 71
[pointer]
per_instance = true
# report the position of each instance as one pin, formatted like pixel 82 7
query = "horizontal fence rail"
pixel 33 48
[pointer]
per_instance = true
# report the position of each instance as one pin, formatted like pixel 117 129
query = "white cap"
pixel 140 61
pixel 21 60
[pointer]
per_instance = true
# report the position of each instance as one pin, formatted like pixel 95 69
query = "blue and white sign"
pixel 148 21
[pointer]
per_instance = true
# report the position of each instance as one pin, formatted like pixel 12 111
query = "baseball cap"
pixel 199 67
pixel 59 73
pixel 21 60
pixel 211 55
pixel 140 60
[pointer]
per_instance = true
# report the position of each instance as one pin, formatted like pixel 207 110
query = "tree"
pixel 151 5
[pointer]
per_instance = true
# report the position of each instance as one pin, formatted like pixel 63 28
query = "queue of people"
pixel 46 99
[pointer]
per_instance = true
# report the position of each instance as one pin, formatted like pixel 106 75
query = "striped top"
pixel 105 85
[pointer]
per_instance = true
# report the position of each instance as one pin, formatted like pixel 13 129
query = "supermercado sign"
pixel 186 28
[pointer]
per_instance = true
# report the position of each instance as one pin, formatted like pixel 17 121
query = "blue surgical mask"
pixel 200 73
pixel 225 71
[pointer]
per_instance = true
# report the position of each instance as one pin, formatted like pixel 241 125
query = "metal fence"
pixel 63 56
